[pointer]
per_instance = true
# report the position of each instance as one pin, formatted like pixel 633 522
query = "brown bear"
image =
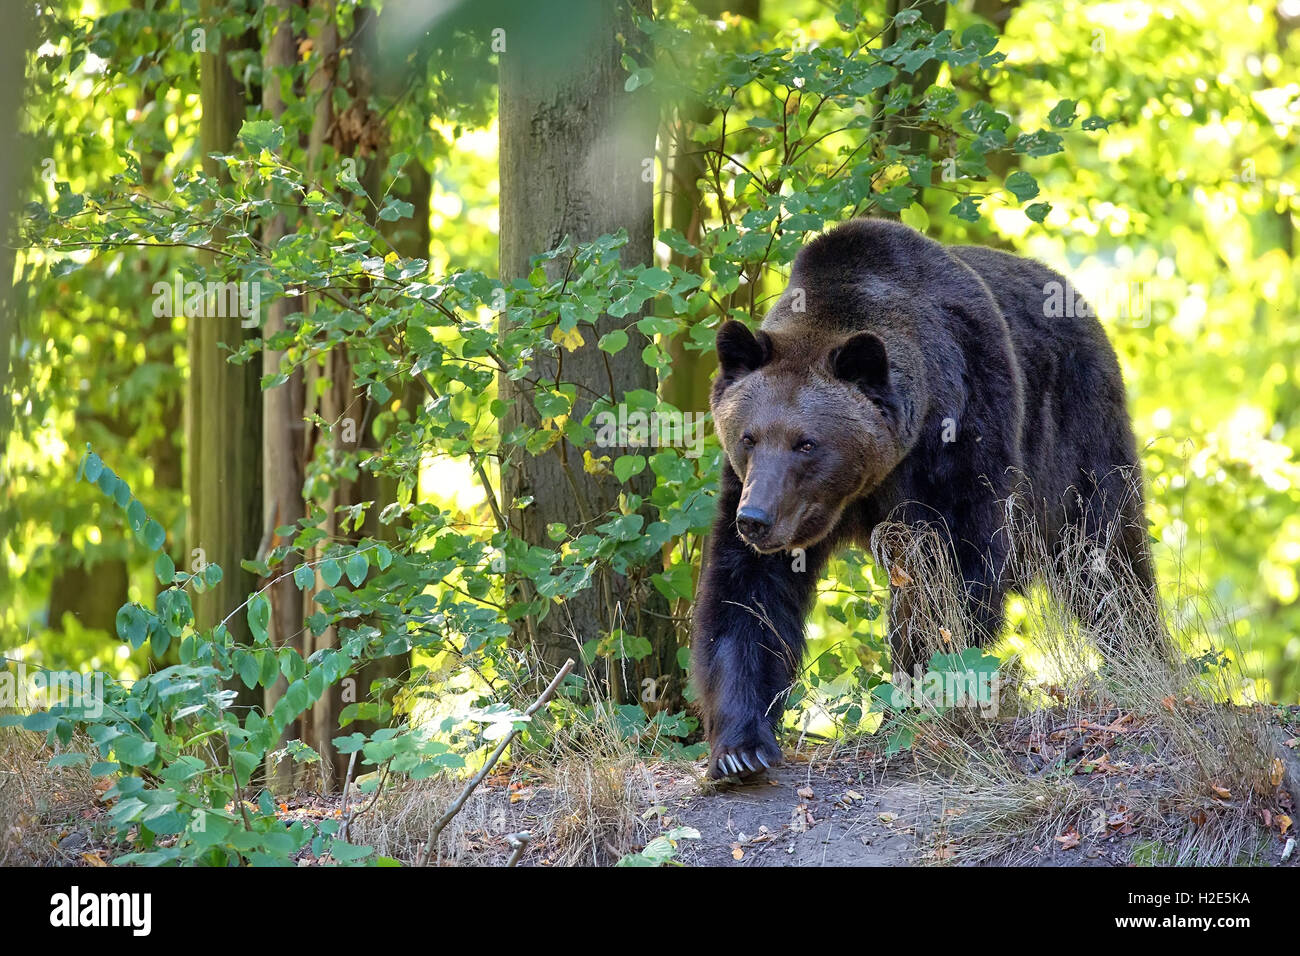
pixel 895 377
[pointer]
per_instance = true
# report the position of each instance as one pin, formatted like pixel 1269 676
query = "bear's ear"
pixel 862 361
pixel 740 351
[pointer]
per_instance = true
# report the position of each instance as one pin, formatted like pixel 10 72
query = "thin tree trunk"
pixel 282 406
pixel 334 403
pixel 223 412
pixel 410 238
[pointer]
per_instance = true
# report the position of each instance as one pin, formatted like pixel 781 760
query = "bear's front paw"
pixel 751 750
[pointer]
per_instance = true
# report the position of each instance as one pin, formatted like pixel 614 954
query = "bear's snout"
pixel 753 523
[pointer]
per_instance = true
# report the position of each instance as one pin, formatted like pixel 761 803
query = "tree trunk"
pixel 282 407
pixel 322 721
pixel 574 147
pixel 692 369
pixel 410 239
pixel 900 129
pixel 223 413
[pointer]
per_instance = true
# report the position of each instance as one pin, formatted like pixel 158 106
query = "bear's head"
pixel 808 424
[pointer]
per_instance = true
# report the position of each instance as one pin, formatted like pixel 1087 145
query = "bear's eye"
pixel 806 446
pixel 747 440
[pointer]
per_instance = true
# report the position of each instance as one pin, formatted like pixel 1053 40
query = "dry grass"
pixel 1192 769
pixel 37 802
pixel 586 798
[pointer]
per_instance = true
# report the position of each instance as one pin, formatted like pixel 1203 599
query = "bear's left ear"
pixel 862 361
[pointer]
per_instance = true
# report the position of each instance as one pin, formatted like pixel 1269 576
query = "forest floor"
pixel 1090 793
pixel 1095 793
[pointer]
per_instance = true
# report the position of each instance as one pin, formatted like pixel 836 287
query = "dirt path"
pixel 802 816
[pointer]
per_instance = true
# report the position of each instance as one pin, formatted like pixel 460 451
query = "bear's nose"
pixel 753 522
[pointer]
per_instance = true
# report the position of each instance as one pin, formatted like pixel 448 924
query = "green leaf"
pixel 550 404
pixel 613 342
pixel 395 209
pixel 248 668
pixel 356 567
pixel 350 744
pixel 165 569
pixel 133 625
pixel 347 853
pixel 154 535
pixel 1041 143
pixel 628 465
pixel 134 750
pixel 1023 185
pixel 1063 113
pixel 258 135
pixel 331 572
pixel 968 209
pixel 304 577
pixel 1038 211
pixel 259 616
pixel 135 516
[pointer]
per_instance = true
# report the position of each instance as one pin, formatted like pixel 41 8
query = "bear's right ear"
pixel 740 351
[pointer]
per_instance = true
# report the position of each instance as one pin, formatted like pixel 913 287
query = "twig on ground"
pixel 520 843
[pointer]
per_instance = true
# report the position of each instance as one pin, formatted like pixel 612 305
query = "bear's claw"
pixel 743 760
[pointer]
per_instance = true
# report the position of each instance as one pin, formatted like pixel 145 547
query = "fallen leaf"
pixel 899 578
pixel 946 635
pixel 1224 792
pixel 1169 703
pixel 93 859
pixel 1069 839
pixel 853 794
pixel 737 853
pixel 806 793
pixel 1278 772
pixel 886 817
pixel 1198 817
pixel 1283 823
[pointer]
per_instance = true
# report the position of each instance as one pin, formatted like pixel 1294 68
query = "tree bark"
pixel 282 406
pixel 574 149
pixel 322 721
pixel 899 129
pixel 223 412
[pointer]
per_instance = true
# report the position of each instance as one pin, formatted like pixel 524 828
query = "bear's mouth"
pixel 803 530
